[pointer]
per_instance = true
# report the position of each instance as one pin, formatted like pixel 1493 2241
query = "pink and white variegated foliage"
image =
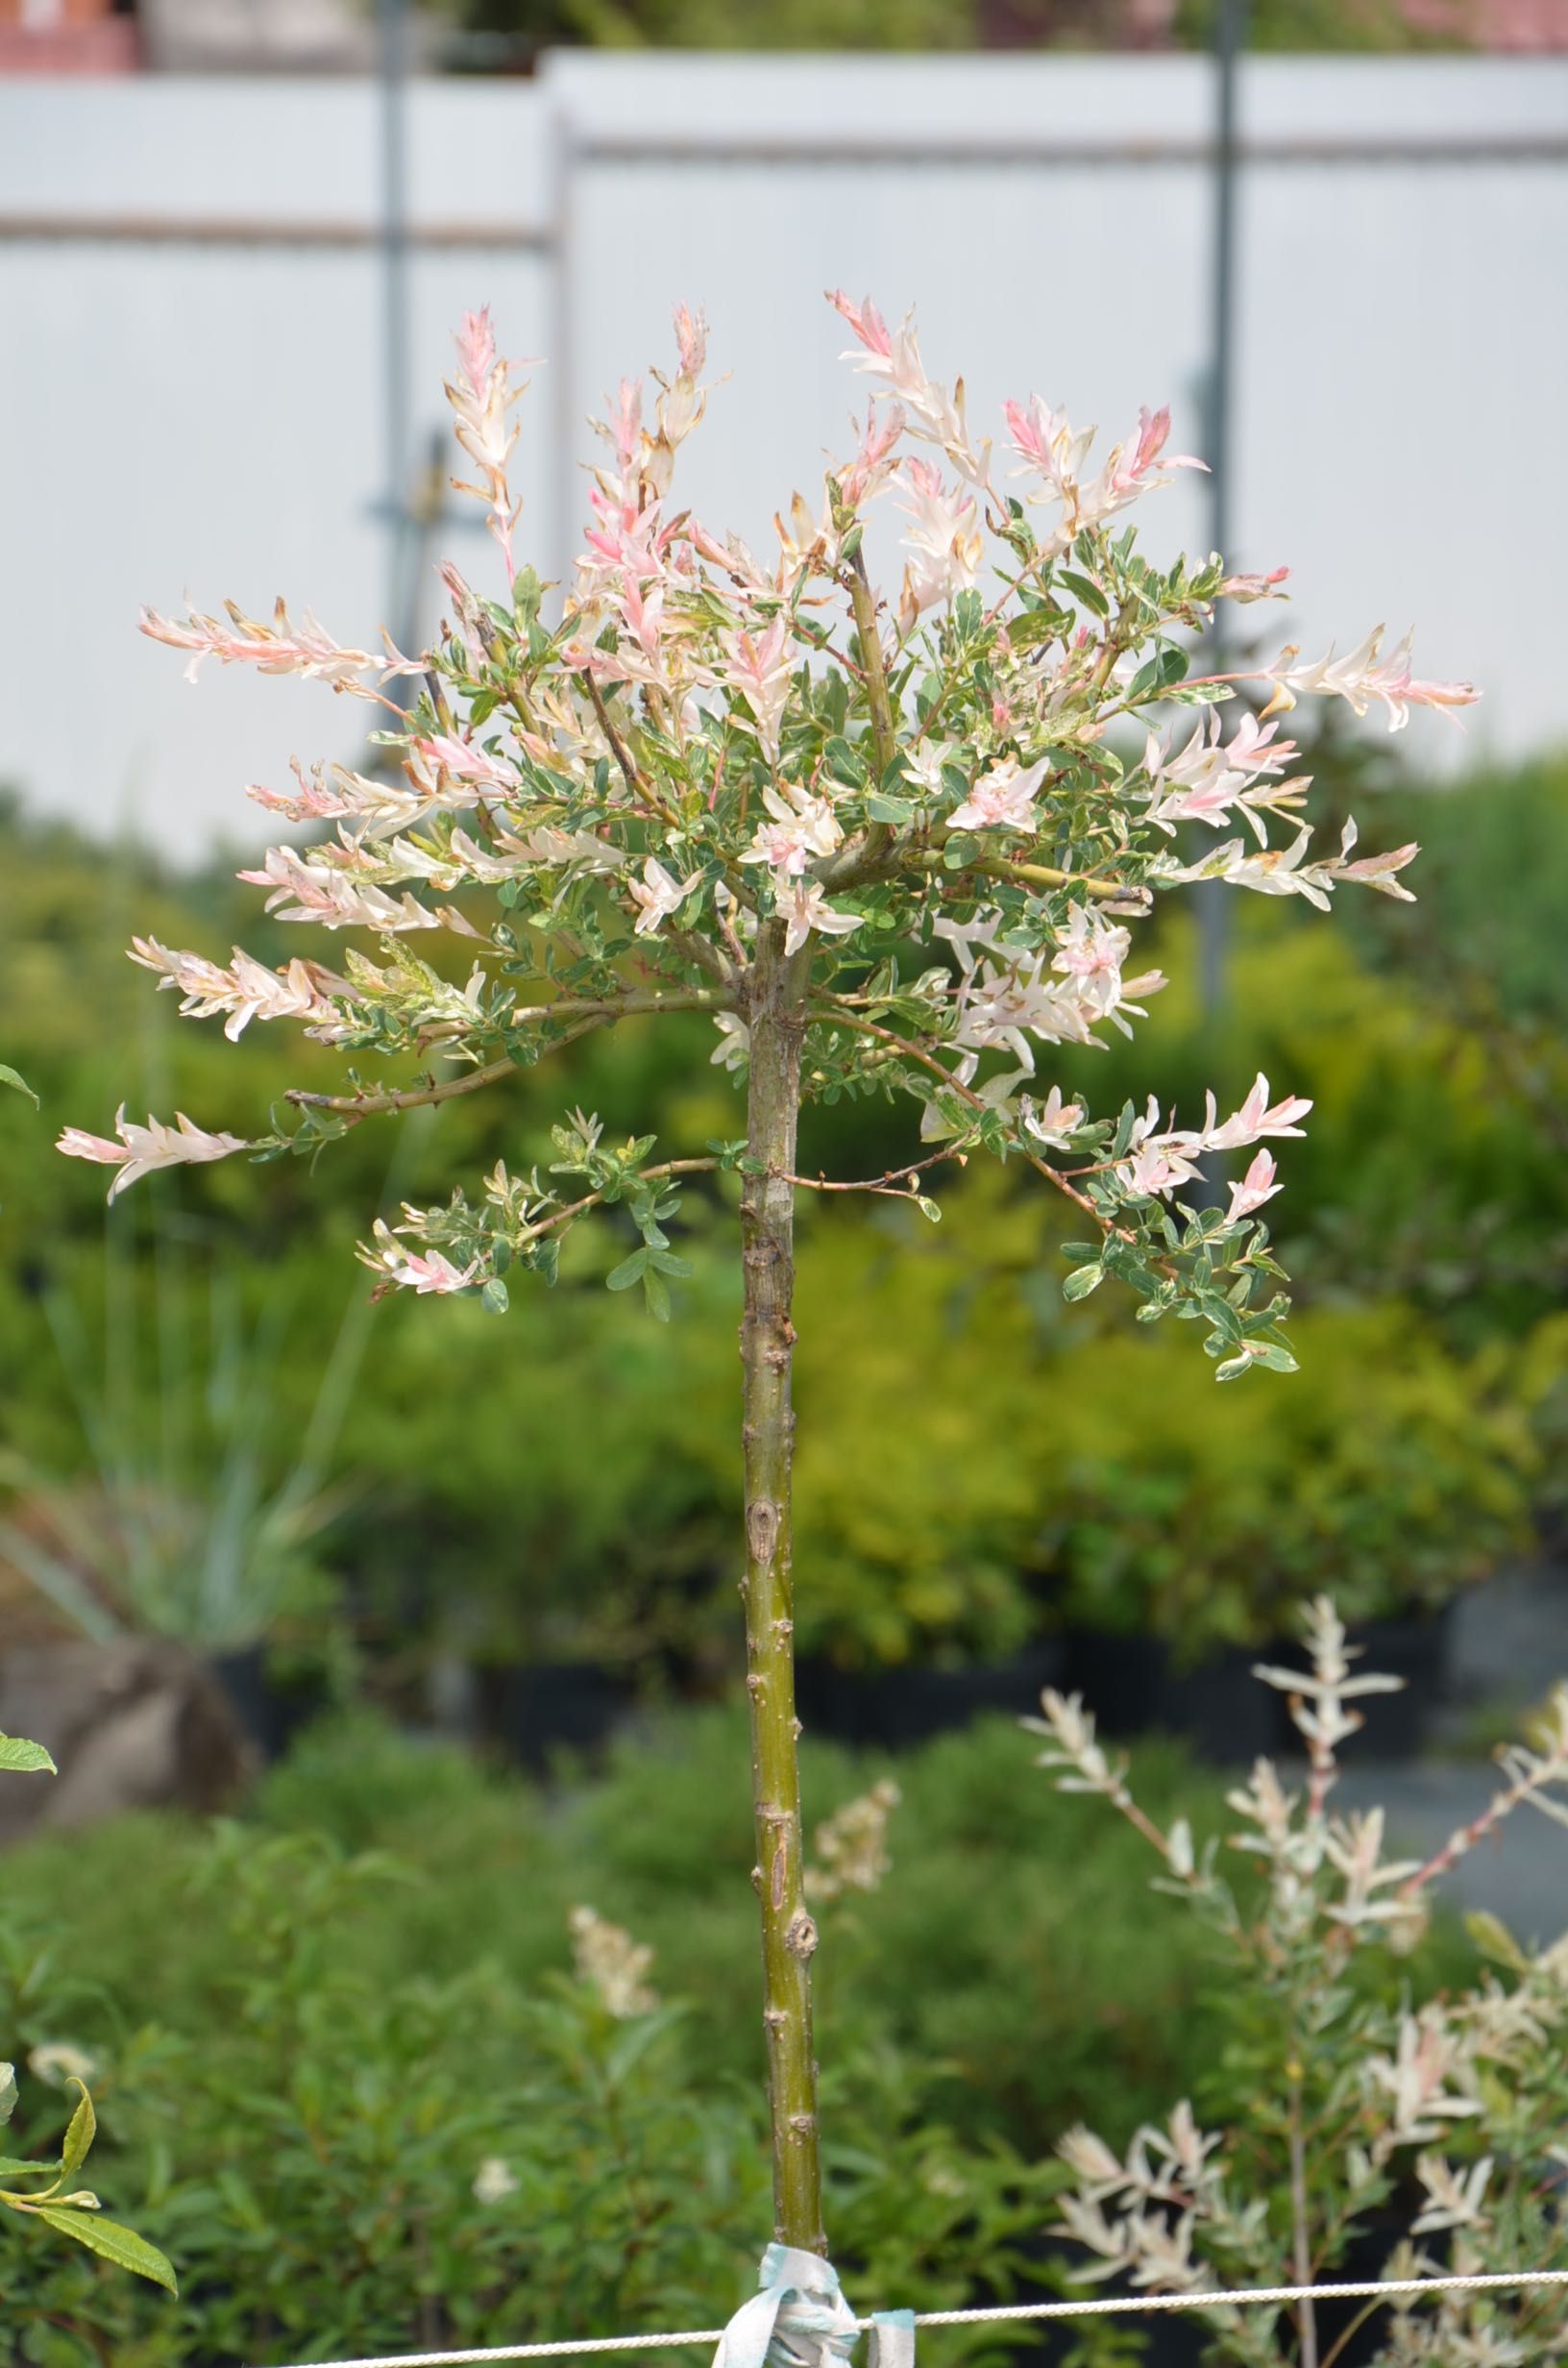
pixel 958 798
pixel 1341 2115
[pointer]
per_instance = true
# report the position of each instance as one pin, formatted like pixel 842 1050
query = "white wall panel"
pixel 180 412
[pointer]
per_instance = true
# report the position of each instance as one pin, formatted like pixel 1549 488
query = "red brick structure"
pixel 67 37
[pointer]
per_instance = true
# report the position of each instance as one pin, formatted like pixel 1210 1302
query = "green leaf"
pixel 885 809
pixel 641 2033
pixel 1164 669
pixel 630 1270
pixel 9 1076
pixel 1082 1281
pixel 1493 1938
pixel 958 850
pixel 844 764
pixel 1089 594
pixel 670 1262
pixel 80 2134
pixel 1037 624
pixel 16 2166
pixel 656 1293
pixel 23 1759
pixel 7 2092
pixel 120 2245
pixel 494 1296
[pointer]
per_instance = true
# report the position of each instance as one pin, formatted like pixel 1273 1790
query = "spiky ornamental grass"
pixel 892 844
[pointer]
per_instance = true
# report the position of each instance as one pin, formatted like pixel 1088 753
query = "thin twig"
pixel 1465 1838
pixel 902 1045
pixel 1042 874
pixel 643 790
pixel 1302 2254
pixel 887 1183
pixel 595 1199
pixel 588 1013
pixel 356 1106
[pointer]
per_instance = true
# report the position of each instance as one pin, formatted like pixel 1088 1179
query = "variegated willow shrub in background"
pixel 894 844
pixel 1344 2117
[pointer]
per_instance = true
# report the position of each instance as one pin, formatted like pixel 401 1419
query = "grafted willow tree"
pixel 892 842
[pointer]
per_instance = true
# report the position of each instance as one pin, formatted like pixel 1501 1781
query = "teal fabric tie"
pixel 892 2342
pixel 798 2319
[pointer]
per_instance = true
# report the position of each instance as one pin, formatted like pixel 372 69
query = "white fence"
pixel 192 307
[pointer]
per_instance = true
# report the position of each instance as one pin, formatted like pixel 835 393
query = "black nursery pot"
pixel 1169 2339
pixel 1135 1685
pixel 896 1710
pixel 1416 1647
pixel 536 1709
pixel 271 1713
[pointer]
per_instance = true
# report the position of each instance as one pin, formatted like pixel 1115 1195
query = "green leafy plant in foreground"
pixel 1037 2004
pixel 70 2211
pixel 349 2155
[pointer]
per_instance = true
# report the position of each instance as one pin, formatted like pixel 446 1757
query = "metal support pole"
pixel 1230 35
pixel 394 45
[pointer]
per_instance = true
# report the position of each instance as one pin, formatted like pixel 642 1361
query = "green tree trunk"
pixel 775 1017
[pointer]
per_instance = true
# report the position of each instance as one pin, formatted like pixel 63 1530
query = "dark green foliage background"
pixel 562 1481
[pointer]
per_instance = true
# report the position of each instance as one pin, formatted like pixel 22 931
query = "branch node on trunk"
pixel 762 1528
pixel 802 1937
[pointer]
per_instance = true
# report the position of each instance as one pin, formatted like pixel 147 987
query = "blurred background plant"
pixel 372 2017
pixel 492 33
pixel 243 1460
pixel 176 1529
pixel 378 2021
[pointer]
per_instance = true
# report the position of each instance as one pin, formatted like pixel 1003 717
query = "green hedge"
pixel 562 1481
pixel 313 2026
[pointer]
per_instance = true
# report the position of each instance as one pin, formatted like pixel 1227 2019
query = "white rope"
pixel 1100 2305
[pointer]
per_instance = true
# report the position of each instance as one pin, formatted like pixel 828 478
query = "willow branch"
pixel 634 780
pixel 1301 2244
pixel 911 1051
pixel 356 1106
pixel 1031 874
pixel 888 1183
pixel 643 791
pixel 595 1199
pixel 707 956
pixel 879 836
pixel 955 671
pixel 1532 1778
pixel 884 732
pixel 587 1014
